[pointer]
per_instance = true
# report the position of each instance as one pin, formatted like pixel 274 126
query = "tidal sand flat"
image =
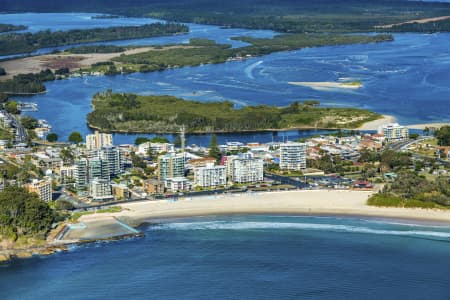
pixel 329 85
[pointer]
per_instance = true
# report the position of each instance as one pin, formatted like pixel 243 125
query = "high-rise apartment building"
pixel 293 156
pixel 171 165
pixel 98 140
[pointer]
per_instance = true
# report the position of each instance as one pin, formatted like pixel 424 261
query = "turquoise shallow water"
pixel 247 257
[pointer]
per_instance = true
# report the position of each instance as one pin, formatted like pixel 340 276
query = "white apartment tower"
pixel 210 176
pixel 394 131
pixel 248 170
pixel 293 156
pixel 98 140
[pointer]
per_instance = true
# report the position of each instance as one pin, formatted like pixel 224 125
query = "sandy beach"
pixel 373 125
pixel 418 21
pixel 320 202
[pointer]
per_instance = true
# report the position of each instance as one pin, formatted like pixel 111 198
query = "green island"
pixel 163 114
pixel 10 27
pixel 14 43
pixel 203 51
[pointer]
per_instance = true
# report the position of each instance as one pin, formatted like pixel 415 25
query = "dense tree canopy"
pixel 23 213
pixel 52 137
pixel 29 122
pixel 443 136
pixel 214 150
pixel 75 137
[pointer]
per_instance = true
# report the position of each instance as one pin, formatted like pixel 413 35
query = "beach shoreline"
pixel 99 227
pixel 374 125
pixel 305 202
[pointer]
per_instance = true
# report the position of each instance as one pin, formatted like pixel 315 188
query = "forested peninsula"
pixel 165 114
pixel 15 43
pixel 203 51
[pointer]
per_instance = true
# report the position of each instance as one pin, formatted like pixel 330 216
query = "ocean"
pixel 246 257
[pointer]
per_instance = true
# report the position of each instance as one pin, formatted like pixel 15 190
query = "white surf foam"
pixel 224 225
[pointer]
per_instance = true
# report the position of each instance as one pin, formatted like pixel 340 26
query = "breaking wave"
pixel 233 225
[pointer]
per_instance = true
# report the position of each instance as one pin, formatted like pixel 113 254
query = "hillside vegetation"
pixel 23 214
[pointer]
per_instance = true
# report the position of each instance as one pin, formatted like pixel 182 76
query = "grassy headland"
pixel 14 43
pixel 163 114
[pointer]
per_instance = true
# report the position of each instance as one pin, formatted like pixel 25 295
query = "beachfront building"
pixel 394 132
pixel 171 165
pixel 293 156
pixel 177 184
pixel 143 149
pixel 98 140
pixel 100 190
pixel 90 169
pixel 120 191
pixel 112 156
pixel 153 186
pixel 210 176
pixel 247 170
pixel 41 187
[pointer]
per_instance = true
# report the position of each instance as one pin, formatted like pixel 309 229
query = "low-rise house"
pixel 153 186
pixel 120 191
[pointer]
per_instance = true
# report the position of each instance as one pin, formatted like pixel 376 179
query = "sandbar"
pixel 327 85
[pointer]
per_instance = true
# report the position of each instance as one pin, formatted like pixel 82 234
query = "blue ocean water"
pixel 247 257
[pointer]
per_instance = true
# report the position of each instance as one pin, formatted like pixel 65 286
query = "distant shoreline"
pixel 422 126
